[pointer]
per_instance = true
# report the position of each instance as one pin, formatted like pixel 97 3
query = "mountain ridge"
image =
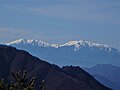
pixel 107 74
pixel 82 53
pixel 12 60
pixel 70 43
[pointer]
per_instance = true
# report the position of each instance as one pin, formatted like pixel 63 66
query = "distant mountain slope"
pixel 107 74
pixel 112 84
pixel 82 53
pixel 12 60
pixel 81 75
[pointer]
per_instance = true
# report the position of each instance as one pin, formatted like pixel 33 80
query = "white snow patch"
pixel 76 44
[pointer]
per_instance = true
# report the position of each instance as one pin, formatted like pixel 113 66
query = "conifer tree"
pixel 21 83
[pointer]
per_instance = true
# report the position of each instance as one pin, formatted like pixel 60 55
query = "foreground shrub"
pixel 21 82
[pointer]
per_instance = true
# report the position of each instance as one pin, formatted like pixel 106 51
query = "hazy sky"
pixel 58 21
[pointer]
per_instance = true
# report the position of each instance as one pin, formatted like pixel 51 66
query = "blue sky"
pixel 59 21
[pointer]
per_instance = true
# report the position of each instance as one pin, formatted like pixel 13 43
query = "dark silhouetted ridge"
pixel 67 78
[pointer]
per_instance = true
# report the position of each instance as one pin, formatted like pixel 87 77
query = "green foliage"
pixel 22 83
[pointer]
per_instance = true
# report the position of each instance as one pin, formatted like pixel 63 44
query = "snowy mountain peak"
pixel 83 43
pixel 17 41
pixel 29 42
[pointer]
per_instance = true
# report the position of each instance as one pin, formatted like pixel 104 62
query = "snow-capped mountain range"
pixel 40 43
pixel 83 53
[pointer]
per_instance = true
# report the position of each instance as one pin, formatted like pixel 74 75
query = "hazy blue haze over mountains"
pixel 82 53
pixel 107 74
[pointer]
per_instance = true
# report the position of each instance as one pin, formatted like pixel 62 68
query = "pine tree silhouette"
pixel 22 83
